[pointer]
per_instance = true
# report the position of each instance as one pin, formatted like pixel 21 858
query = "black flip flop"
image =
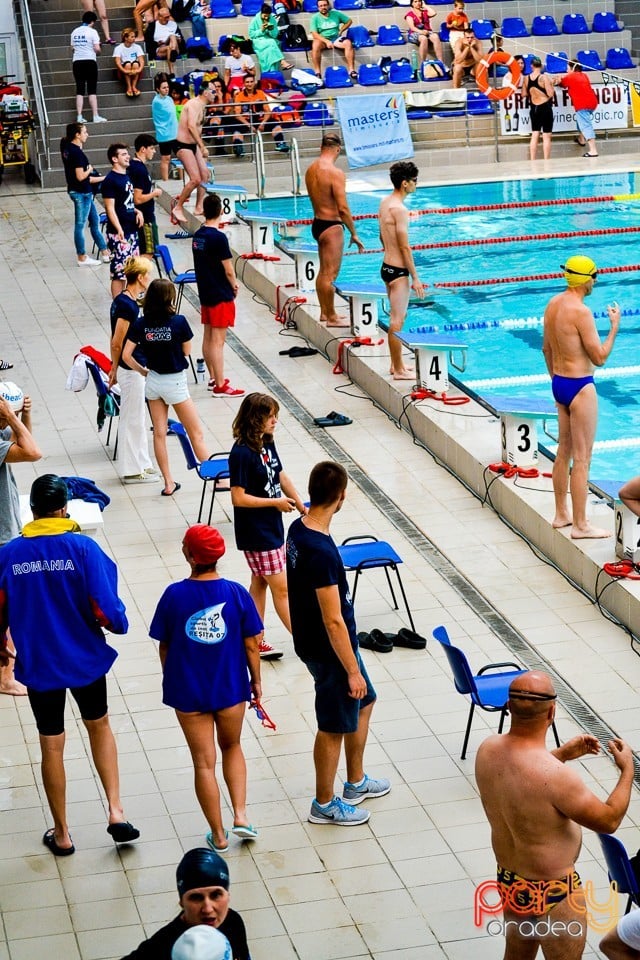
pixel 376 640
pixel 123 832
pixel 332 419
pixel 49 841
pixel 163 493
pixel 407 638
pixel 298 352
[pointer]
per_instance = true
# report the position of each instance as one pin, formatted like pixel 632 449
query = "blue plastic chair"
pixel 368 553
pixel 619 58
pixel 478 104
pixel 483 29
pixel 590 59
pixel 488 690
pixel 390 35
pixel 316 114
pixel 215 470
pixel 273 80
pixel 370 75
pixel 401 71
pixel 619 868
pixel 513 27
pixel 443 33
pixel 348 4
pixel 222 9
pixel 544 26
pixel 309 6
pixel 180 279
pixel 360 37
pixel 573 23
pixel 249 8
pixel 557 62
pixel 284 109
pixel 337 77
pixel 605 23
pixel 102 390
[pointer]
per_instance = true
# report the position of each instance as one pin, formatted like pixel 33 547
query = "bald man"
pixel 536 806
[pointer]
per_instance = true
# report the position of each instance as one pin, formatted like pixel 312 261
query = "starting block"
pixel 434 352
pixel 626 525
pixel 307 261
pixel 363 306
pixel 262 227
pixel 519 417
pixel 230 194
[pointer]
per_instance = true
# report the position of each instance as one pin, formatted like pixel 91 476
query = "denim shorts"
pixel 336 711
pixel 170 387
pixel 584 121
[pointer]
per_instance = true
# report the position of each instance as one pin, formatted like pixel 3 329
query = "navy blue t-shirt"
pixel 124 307
pixel 210 248
pixel 139 176
pixel 313 562
pixel 162 342
pixel 118 187
pixel 72 158
pixel 257 528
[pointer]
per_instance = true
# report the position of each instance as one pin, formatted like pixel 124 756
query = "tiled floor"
pixel 401 886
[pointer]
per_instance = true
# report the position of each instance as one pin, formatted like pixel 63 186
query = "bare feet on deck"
pixel 338 322
pixel 562 520
pixel 589 533
pixel 405 373
pixel 178 214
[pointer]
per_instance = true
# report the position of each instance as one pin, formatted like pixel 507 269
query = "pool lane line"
pixel 535 378
pixel 515 205
pixel 486 281
pixel 516 642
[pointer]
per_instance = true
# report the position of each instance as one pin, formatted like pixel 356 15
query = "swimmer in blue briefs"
pixel 398 270
pixel 572 348
pixel 331 214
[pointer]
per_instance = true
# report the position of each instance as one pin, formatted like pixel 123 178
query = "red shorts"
pixel 222 315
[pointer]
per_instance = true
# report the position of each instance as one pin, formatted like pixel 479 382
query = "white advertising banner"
pixel 610 114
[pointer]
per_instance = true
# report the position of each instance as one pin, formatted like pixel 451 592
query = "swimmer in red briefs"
pixel 398 270
pixel 326 188
pixel 536 805
pixel 572 348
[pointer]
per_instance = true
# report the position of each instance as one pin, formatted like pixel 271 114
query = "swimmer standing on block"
pixel 572 348
pixel 398 270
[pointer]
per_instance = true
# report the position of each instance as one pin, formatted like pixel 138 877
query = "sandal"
pixel 209 839
pixel 376 640
pixel 245 831
pixel 49 841
pixel 5 365
pixel 332 419
pixel 166 493
pixel 123 832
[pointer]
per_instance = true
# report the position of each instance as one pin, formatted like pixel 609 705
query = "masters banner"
pixel 374 129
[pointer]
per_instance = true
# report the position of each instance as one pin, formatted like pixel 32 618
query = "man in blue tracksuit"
pixel 58 590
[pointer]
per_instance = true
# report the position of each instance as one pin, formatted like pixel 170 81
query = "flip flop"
pixel 298 352
pixel 178 235
pixel 209 839
pixel 5 365
pixel 377 640
pixel 407 638
pixel 49 841
pixel 245 831
pixel 163 493
pixel 332 419
pixel 123 832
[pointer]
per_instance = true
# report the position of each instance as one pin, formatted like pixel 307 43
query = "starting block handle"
pixel 463 359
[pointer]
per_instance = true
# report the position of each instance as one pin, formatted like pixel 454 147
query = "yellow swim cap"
pixel 579 270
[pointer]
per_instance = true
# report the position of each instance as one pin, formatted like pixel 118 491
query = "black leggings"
pixel 85 73
pixel 48 705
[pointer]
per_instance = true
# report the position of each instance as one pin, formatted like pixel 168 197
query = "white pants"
pixel 133 444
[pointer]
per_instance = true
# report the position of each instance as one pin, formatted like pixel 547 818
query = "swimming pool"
pixel 501 321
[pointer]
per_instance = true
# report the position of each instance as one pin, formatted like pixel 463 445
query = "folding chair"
pixel 488 690
pixel 620 869
pixel 103 391
pixel 366 552
pixel 189 276
pixel 214 470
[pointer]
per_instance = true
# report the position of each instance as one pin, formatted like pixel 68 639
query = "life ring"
pixel 482 78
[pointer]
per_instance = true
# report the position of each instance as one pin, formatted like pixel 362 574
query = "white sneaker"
pixel 99 119
pixel 141 478
pixel 88 262
pixel 80 119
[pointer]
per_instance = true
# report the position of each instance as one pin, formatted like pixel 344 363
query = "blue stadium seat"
pixel 557 62
pixel 590 59
pixel 483 29
pixel 272 81
pixel 573 23
pixel 605 23
pixel 478 103
pixel 370 75
pixel 336 77
pixel 310 6
pixel 417 113
pixel 401 71
pixel 360 37
pixel 221 9
pixel 249 8
pixel 544 26
pixel 513 27
pixel 390 36
pixel 316 114
pixel 348 4
pixel 619 58
pixel 283 113
pixel 379 5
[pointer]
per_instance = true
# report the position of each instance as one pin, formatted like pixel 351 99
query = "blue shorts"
pixel 336 711
pixel 566 389
pixel 584 123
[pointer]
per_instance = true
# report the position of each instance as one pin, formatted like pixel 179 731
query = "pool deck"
pixel 400 887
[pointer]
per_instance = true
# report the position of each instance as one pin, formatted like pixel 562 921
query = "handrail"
pixel 296 176
pixel 261 173
pixel 36 79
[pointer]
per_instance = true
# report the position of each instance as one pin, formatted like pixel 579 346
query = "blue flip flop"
pixel 210 842
pixel 245 832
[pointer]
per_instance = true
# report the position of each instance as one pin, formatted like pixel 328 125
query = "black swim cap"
pixel 48 493
pixel 201 868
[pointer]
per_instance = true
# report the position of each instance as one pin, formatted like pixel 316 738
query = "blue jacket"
pixel 58 589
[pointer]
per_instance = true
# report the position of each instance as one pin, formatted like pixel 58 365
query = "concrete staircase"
pixel 629 12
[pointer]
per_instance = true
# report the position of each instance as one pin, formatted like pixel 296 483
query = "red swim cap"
pixel 205 545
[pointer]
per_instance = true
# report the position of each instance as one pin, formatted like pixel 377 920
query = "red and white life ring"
pixel 482 75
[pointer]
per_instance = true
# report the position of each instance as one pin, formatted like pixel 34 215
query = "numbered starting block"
pixel 519 417
pixel 307 263
pixel 230 194
pixel 627 525
pixel 363 306
pixel 262 227
pixel 434 352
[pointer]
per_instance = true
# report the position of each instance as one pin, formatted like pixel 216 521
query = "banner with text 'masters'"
pixel 375 129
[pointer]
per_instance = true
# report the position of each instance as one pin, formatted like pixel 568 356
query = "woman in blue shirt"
pixel 165 121
pixel 166 339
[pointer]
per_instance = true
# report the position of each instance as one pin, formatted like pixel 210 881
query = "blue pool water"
pixel 501 322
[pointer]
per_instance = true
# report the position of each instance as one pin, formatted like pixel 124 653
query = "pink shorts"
pixel 266 563
pixel 221 316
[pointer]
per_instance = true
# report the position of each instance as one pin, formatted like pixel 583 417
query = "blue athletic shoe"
pixel 337 812
pixel 369 787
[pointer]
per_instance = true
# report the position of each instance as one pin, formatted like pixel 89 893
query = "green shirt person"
pixel 328 30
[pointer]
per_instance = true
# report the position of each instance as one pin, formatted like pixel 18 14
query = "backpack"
pixel 199 48
pixel 296 37
pixel 432 69
pixel 282 19
pixel 180 10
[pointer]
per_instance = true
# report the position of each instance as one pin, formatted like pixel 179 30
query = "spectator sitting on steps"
pixel 129 60
pixel 253 112
pixel 237 67
pixel 467 54
pixel 328 30
pixel 163 39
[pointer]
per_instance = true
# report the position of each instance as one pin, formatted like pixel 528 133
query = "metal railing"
pixel 36 80
pixel 261 172
pixel 296 175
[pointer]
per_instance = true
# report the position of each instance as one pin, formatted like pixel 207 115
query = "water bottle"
pixel 200 370
pixel 192 89
pixel 414 61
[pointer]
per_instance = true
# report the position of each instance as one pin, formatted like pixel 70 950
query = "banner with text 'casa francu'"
pixel 374 129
